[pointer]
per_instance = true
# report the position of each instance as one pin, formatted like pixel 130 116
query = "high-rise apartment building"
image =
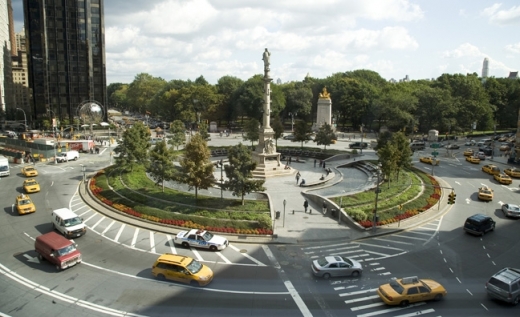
pixel 485 68
pixel 6 30
pixel 21 90
pixel 66 49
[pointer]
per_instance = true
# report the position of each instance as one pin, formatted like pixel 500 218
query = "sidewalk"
pixel 294 225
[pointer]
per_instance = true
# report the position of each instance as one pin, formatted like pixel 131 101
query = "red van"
pixel 57 250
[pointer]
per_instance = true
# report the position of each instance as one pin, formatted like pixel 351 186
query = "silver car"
pixel 511 210
pixel 336 266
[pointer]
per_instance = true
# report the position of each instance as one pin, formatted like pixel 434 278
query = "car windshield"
pixel 348 261
pixel 396 287
pixel 426 285
pixel 207 236
pixel 66 250
pixel 25 202
pixel 72 222
pixel 4 168
pixel 29 169
pixel 322 262
pixel 30 183
pixel 194 266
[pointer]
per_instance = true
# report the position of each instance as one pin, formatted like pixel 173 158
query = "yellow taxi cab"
pixel 491 169
pixel 469 152
pixel 29 171
pixel 181 268
pixel 24 204
pixel 504 147
pixel 513 172
pixel 429 160
pixel 485 193
pixel 503 179
pixel 410 290
pixel 473 159
pixel 31 185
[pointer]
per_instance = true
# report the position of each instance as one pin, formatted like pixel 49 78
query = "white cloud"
pixel 514 48
pixel 464 50
pixel 502 17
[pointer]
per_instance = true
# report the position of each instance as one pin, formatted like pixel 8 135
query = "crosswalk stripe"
pixel 97 223
pixel 359 292
pixel 134 238
pixel 223 257
pixel 152 242
pixel 171 244
pixel 108 228
pixel 197 254
pixel 390 310
pixel 361 299
pixel 119 233
pixel 417 313
pixel 367 306
pixel 407 237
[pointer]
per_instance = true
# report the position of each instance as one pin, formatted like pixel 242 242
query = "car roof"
pixel 508 275
pixel 479 217
pixel 174 258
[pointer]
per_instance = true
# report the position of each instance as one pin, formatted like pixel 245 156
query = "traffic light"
pixel 451 198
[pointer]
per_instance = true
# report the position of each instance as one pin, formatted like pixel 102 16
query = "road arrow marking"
pixel 31 259
pixel 457 183
pixel 468 200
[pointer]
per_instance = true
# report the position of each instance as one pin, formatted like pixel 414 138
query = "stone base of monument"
pixel 269 165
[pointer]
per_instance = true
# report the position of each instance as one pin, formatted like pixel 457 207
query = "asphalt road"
pixel 253 280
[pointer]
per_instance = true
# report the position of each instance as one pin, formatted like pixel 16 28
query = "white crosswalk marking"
pixel 108 227
pixel 134 239
pixel 366 291
pixel 390 310
pixel 171 244
pixel 361 299
pixel 368 306
pixel 116 239
pixel 97 223
pixel 152 242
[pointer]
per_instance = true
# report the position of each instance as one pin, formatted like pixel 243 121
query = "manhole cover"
pixel 281 249
pixel 306 274
pixel 297 266
pixel 284 262
pixel 305 217
pixel 293 254
pixel 243 251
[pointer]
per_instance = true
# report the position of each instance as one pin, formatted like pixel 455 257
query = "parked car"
pixel 511 210
pixel 504 147
pixel 410 290
pixel 505 285
pixel 479 224
pixel 332 266
pixel 358 145
pixel 288 137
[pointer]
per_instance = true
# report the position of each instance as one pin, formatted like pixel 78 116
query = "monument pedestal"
pixel 269 165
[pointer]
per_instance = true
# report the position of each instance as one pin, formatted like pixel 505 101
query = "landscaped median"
pixel 411 194
pixel 134 194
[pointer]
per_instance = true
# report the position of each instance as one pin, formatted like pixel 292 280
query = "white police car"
pixel 201 239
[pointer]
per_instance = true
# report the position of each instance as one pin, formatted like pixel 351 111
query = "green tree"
pixel 227 87
pixel 239 172
pixel 142 90
pixel 133 149
pixel 403 152
pixel 278 129
pixel 196 169
pixel 388 158
pixel 325 135
pixel 252 131
pixel 178 134
pixel 298 98
pixel 203 130
pixel 161 167
pixel 302 132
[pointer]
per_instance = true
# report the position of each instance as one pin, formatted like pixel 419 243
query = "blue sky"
pixel 183 39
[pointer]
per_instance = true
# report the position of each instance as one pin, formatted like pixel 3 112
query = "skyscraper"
pixel 66 49
pixel 6 31
pixel 485 68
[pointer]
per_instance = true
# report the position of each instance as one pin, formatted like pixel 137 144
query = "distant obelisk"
pixel 266 132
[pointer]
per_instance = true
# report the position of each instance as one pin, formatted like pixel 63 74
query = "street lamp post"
pixel 24 119
pixel 54 134
pixel 105 124
pixel 221 179
pixel 284 203
pixel 292 114
pixel 361 130
pixel 374 222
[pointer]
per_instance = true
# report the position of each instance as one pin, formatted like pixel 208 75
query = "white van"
pixel 68 223
pixel 4 166
pixel 67 156
pixel 484 142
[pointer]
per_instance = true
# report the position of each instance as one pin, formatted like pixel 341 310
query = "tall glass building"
pixel 66 55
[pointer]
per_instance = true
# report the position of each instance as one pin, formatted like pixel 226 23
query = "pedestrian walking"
pixel 290 159
pixel 324 207
pixel 314 162
pixel 297 177
pixel 306 205
pixel 323 164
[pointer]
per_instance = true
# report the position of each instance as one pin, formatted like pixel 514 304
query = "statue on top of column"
pixel 267 60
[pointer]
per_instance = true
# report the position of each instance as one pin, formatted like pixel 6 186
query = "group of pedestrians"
pixel 298 176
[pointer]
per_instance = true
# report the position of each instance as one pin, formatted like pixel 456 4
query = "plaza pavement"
pixel 294 225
